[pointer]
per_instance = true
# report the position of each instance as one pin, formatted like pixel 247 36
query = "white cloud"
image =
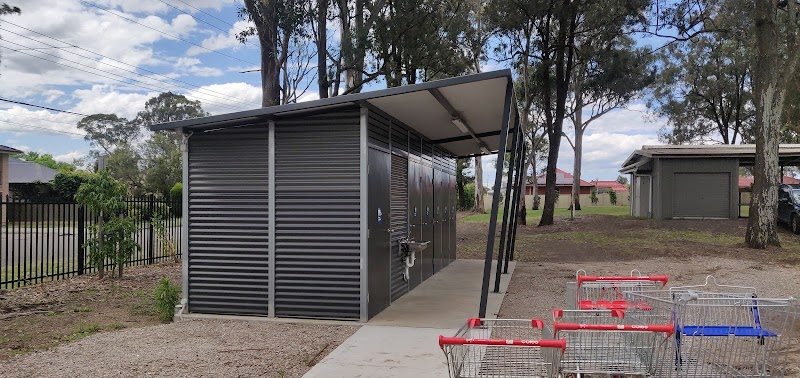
pixel 23 120
pixel 205 71
pixel 107 99
pixel 22 148
pixel 69 157
pixel 633 119
pixel 238 95
pixel 222 40
pixel 52 95
pixel 187 62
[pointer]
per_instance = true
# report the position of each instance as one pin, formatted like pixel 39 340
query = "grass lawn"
pixel 534 215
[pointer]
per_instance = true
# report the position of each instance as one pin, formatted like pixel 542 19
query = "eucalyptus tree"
pixel 704 88
pixel 775 67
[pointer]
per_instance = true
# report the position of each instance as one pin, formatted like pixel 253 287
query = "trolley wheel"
pixel 795 224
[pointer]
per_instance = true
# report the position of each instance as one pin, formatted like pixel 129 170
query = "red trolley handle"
pixel 476 322
pixel 546 343
pixel 663 279
pixel 615 313
pixel 669 329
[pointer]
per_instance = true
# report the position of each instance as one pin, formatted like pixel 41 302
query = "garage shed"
pixel 669 182
pixel 306 210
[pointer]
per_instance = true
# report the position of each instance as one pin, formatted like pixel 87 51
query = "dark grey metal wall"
pixel 228 221
pixel 317 207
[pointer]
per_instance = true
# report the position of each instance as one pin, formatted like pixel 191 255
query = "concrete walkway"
pixel 402 341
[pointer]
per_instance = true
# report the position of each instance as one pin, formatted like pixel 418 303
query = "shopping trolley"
pixel 722 330
pixel 602 342
pixel 606 292
pixel 502 348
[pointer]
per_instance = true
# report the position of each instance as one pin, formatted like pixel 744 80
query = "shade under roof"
pixel 428 108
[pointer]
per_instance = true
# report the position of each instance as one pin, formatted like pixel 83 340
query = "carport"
pixel 677 182
pixel 300 210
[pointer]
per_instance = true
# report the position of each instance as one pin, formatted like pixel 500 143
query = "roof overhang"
pixel 788 154
pixel 462 115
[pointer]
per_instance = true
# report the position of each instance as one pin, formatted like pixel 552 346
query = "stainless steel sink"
pixel 415 246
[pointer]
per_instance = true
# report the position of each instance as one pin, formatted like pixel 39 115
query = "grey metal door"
pixel 379 221
pixel 399 223
pixel 701 195
pixel 427 221
pixel 415 217
pixel 643 197
pixel 438 194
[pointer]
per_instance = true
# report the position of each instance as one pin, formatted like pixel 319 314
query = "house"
pixel 314 223
pixel 603 186
pixel 746 187
pixel 25 176
pixel 563 184
pixel 5 151
pixel 669 182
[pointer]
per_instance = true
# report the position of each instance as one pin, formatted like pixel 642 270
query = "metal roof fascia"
pixel 353 98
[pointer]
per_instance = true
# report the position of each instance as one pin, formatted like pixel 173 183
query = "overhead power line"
pixel 40 128
pixel 205 13
pixel 42 107
pixel 38 119
pixel 63 48
pixel 120 78
pixel 198 19
pixel 165 33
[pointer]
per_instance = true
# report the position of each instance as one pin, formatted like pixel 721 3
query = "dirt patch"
pixel 611 238
pixel 196 348
pixel 45 315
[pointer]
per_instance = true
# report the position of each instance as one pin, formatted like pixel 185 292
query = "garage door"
pixel 701 195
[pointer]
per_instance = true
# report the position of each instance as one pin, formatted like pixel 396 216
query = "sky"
pixel 110 56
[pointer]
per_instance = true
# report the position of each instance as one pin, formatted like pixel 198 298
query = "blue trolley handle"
pixel 756 316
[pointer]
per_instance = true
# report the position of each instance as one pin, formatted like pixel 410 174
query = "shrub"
pixel 176 197
pixel 612 197
pixel 66 184
pixel 167 296
pixel 593 196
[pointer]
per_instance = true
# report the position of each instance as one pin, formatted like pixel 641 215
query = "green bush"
pixel 167 296
pixel 176 197
pixel 66 184
pixel 612 197
pixel 469 196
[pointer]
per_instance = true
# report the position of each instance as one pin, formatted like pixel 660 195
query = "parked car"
pixel 789 206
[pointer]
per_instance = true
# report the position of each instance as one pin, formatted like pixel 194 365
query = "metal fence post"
pixel 81 239
pixel 150 239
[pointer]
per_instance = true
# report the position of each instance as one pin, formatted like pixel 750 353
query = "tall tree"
pixel 279 26
pixel 704 88
pixel 161 156
pixel 775 63
pixel 610 72
pixel 475 44
pixel 46 160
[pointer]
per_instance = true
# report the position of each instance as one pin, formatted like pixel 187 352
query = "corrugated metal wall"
pixel 317 214
pixel 317 246
pixel 228 221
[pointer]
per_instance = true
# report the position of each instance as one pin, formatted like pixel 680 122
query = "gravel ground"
pixel 538 288
pixel 196 348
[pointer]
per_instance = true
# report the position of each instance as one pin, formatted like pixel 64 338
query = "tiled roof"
pixel 562 179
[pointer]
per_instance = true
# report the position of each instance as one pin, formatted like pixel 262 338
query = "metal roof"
pixel 9 150
pixel 428 108
pixel 26 172
pixel 788 154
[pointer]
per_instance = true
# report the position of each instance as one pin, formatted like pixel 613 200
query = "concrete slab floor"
pixel 401 341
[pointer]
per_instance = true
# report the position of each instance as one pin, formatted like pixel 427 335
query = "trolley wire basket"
pixel 722 330
pixel 602 342
pixel 607 292
pixel 502 348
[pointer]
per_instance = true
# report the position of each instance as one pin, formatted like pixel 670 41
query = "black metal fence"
pixel 43 240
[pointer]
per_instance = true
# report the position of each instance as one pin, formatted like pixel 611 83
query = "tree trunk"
pixel 550 190
pixel 535 178
pixel 522 213
pixel 761 225
pixel 576 168
pixel 322 47
pixel 265 19
pixel 479 207
pixel 577 148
